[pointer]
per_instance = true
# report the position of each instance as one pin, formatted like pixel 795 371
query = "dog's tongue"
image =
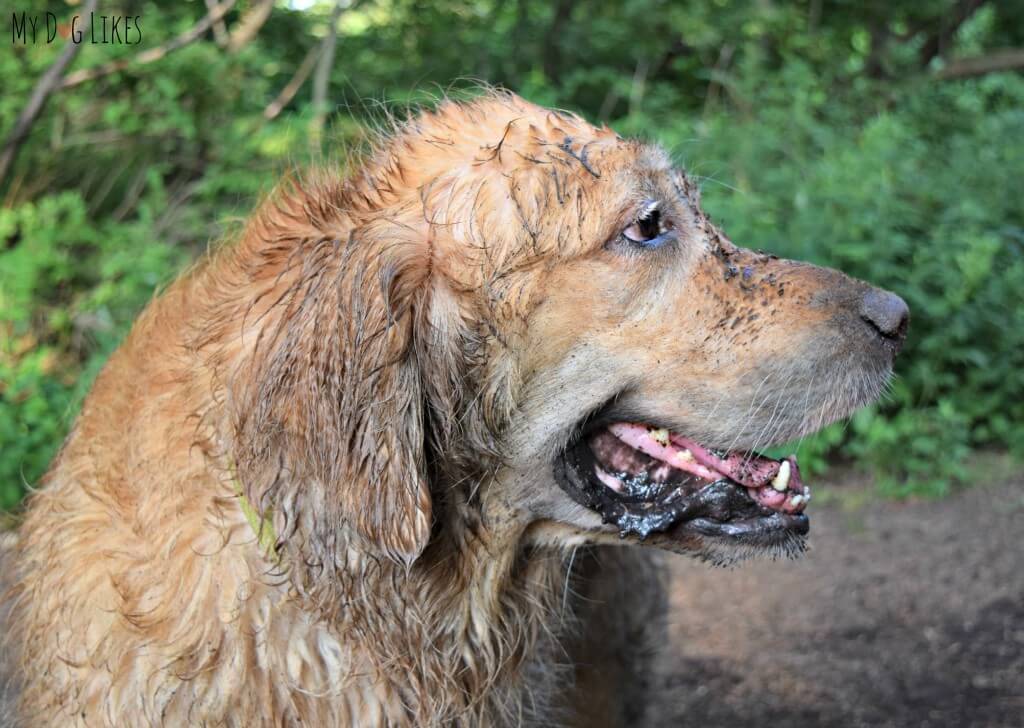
pixel 775 484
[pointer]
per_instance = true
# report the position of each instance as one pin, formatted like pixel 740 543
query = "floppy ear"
pixel 330 436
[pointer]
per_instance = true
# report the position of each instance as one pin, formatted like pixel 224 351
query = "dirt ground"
pixel 903 614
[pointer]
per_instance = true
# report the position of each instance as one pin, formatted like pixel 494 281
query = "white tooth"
pixel 660 436
pixel 685 455
pixel 781 480
pixel 797 500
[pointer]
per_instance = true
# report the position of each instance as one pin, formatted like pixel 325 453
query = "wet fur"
pixel 388 362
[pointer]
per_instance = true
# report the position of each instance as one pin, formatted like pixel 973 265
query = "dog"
pixel 339 472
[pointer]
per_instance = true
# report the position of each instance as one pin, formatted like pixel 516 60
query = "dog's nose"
pixel 887 314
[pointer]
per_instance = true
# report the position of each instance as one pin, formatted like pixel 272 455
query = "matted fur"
pixel 387 363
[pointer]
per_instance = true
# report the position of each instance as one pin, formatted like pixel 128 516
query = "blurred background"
pixel 882 138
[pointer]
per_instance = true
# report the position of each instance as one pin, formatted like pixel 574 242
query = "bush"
pixel 68 290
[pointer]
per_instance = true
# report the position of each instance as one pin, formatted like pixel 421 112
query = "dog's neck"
pixel 470 620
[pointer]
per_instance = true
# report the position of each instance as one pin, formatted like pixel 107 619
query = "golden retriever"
pixel 335 474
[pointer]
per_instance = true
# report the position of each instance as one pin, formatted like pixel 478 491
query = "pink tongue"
pixel 753 471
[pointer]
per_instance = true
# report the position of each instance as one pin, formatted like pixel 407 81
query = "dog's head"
pixel 530 320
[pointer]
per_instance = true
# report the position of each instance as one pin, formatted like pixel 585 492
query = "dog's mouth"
pixel 646 479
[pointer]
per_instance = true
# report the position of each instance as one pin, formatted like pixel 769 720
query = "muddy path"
pixel 903 614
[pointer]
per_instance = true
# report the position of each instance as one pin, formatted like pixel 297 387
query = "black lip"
pixel 722 509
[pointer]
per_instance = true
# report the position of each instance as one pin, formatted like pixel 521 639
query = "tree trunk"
pixel 322 77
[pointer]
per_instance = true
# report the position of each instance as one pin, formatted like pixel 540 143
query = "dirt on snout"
pixel 903 614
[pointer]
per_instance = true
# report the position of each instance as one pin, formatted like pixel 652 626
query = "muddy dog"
pixel 337 473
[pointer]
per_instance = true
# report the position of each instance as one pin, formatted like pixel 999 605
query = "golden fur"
pixel 387 362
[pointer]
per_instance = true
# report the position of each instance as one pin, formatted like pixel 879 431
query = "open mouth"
pixel 646 479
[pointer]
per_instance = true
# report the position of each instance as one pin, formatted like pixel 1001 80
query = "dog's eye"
pixel 648 229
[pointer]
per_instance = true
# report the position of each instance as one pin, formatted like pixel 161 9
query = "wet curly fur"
pixel 386 363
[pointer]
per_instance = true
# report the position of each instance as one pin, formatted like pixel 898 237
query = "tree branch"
pixel 250 25
pixel 45 87
pixel 220 30
pixel 154 54
pixel 1007 59
pixel 292 87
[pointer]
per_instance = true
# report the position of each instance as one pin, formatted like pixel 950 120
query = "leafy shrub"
pixel 68 289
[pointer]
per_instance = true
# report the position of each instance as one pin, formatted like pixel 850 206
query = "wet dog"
pixel 335 474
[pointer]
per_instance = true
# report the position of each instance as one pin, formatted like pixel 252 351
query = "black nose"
pixel 887 314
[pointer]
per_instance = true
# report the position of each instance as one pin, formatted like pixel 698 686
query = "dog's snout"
pixel 886 313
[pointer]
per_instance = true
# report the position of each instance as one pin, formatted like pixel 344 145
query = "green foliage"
pixel 68 286
pixel 816 127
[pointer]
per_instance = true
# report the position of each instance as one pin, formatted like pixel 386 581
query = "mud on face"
pixel 606 307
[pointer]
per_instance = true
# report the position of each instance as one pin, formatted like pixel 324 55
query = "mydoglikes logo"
pixel 32 28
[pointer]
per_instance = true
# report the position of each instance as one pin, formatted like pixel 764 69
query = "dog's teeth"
pixel 797 500
pixel 660 436
pixel 685 455
pixel 781 480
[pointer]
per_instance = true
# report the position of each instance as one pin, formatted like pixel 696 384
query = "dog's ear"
pixel 331 433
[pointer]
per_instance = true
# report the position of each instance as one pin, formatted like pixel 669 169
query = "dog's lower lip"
pixel 798 524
